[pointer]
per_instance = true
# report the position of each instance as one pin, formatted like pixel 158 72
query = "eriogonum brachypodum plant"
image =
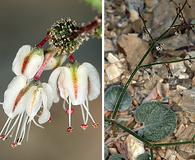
pixel 27 97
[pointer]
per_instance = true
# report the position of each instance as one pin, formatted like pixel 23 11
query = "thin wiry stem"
pixel 149 144
pixel 145 27
pixel 130 132
pixel 172 144
pixel 151 153
pixel 166 62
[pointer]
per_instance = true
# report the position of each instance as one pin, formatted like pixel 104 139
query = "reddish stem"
pixel 88 28
pixel 41 44
pixel 71 59
pixel 40 71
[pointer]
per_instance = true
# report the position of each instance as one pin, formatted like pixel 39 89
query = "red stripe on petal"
pixel 25 63
pixel 19 96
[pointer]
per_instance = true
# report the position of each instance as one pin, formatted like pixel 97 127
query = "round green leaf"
pixel 106 152
pixel 144 156
pixel 116 157
pixel 158 119
pixel 111 96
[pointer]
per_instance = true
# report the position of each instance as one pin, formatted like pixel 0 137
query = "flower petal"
pixel 20 56
pixel 62 89
pixel 53 83
pixel 28 61
pixel 44 117
pixel 33 99
pixel 94 81
pixel 35 61
pixel 49 94
pixel 10 106
pixel 76 84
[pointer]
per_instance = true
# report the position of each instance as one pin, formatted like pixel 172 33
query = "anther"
pixel 84 126
pixel 13 145
pixel 69 129
pixel 2 137
pixel 95 125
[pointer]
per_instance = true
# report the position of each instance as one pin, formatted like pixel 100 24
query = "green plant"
pixel 144 156
pixel 116 157
pixel 111 95
pixel 158 120
pixel 153 44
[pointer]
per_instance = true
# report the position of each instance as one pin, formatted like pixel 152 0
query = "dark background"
pixel 25 22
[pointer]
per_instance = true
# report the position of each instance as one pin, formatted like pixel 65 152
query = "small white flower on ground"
pixel 28 60
pixel 22 101
pixel 76 84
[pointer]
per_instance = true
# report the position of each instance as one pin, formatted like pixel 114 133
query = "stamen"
pixel 28 132
pixel 69 111
pixel 36 124
pixel 87 110
pixel 87 116
pixel 69 114
pixel 23 129
pixel 19 124
pixel 8 127
pixel 83 115
pixel 4 127
pixel 11 127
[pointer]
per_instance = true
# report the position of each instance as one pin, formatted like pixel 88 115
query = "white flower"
pixel 28 60
pixel 77 85
pixel 22 101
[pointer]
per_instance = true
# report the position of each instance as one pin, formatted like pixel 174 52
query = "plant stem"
pixel 130 132
pixel 88 28
pixel 166 62
pixel 119 100
pixel 151 153
pixel 145 27
pixel 45 62
pixel 172 144
pixel 41 44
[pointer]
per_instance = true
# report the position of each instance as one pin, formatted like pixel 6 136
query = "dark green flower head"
pixel 65 37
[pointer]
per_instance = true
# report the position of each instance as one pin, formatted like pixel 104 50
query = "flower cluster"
pixel 28 100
